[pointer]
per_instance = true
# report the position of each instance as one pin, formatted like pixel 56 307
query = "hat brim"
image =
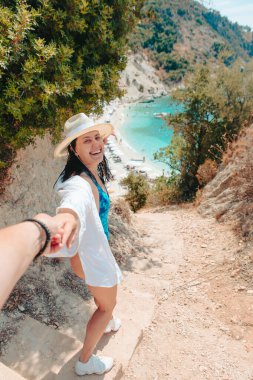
pixel 105 130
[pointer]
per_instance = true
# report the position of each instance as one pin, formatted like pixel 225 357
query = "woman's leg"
pixel 77 266
pixel 105 299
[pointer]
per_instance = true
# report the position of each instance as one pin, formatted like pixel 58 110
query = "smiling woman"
pixel 81 186
pixel 90 149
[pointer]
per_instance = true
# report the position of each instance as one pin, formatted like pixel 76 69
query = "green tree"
pixel 138 190
pixel 57 58
pixel 216 104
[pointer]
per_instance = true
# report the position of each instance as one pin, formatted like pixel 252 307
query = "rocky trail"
pixel 186 312
pixel 202 327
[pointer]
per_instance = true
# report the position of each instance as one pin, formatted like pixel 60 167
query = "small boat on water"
pixel 148 100
pixel 160 115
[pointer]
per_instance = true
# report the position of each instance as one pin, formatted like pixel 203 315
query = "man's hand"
pixel 63 229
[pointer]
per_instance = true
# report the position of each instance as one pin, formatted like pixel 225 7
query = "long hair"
pixel 74 166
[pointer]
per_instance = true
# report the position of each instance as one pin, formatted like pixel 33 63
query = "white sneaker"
pixel 95 364
pixel 113 325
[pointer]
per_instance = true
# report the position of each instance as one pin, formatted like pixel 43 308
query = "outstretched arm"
pixel 20 243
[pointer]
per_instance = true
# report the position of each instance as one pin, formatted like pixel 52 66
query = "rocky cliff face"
pixel 31 186
pixel 229 196
pixel 140 80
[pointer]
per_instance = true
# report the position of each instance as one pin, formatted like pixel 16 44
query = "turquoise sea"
pixel 146 133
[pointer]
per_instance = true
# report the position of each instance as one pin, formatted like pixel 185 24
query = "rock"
pixel 203 368
pixel 164 297
pixel 234 319
pixel 224 329
pixel 250 292
pixel 203 246
pixel 234 272
pixel 21 308
pixel 240 288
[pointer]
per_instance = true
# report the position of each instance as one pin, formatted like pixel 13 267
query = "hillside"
pixel 229 196
pixel 176 35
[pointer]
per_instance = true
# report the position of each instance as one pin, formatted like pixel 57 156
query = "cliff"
pixel 30 188
pixel 229 196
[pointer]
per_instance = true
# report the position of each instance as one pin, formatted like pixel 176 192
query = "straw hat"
pixel 77 126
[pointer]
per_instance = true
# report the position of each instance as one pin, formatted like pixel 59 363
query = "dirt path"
pixel 202 327
pixel 186 306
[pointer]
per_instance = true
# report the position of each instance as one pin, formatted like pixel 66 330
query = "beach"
pixel 123 158
pixel 140 82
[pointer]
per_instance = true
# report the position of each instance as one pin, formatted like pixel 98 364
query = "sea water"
pixel 145 132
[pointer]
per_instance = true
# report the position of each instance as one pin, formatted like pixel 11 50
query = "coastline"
pixel 140 82
pixel 118 119
pixel 131 159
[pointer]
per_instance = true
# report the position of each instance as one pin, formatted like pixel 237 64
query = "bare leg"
pixel 105 299
pixel 77 266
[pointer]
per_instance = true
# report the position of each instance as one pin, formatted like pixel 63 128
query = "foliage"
pixel 216 104
pixel 158 33
pixel 56 59
pixel 206 171
pixel 138 189
pixel 233 33
pixel 164 191
pixel 174 35
pixel 121 207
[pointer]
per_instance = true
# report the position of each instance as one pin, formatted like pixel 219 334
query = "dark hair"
pixel 75 167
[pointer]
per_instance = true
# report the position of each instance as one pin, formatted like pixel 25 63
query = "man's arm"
pixel 20 243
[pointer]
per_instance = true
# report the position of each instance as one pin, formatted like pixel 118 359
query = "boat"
pixel 148 100
pixel 160 115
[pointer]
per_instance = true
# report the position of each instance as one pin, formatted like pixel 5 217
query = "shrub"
pixel 121 208
pixel 181 12
pixel 56 59
pixel 206 172
pixel 216 105
pixel 164 191
pixel 138 190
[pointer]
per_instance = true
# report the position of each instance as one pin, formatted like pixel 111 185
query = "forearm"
pixel 21 243
pixel 16 256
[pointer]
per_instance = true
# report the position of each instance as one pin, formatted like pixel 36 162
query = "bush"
pixel 56 59
pixel 121 208
pixel 181 12
pixel 216 105
pixel 164 191
pixel 138 190
pixel 206 172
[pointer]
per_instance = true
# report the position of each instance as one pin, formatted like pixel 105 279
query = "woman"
pixel 81 186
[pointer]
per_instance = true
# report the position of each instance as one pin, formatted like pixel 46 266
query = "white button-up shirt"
pixel 98 262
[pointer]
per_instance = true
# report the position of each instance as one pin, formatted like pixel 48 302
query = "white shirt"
pixel 98 262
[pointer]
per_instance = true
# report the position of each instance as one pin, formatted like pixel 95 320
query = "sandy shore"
pixel 139 81
pixel 131 160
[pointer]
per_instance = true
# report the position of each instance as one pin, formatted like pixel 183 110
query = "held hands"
pixel 63 229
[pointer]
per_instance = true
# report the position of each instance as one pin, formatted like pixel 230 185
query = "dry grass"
pixel 229 197
pixel 206 172
pixel 121 208
pixel 163 194
pixel 237 182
